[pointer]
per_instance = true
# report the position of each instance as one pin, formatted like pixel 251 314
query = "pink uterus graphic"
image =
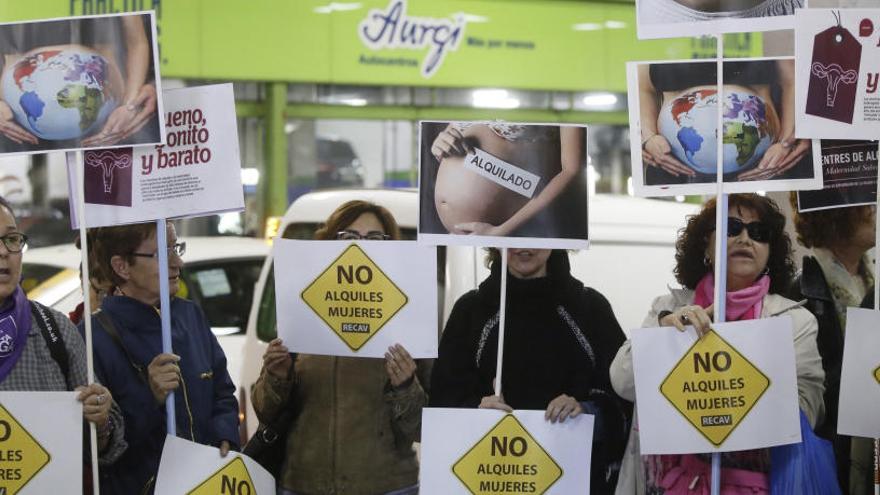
pixel 833 74
pixel 108 176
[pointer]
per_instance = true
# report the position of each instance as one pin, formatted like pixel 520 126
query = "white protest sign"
pixel 197 173
pixel 40 442
pixel 837 73
pixel 194 469
pixel 484 451
pixel 860 375
pixel 356 299
pixel 734 389
pixel 502 173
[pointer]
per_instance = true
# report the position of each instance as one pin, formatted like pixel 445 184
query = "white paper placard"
pixel 192 468
pixel 673 19
pixel 356 299
pixel 462 447
pixel 837 73
pixel 40 442
pixel 740 411
pixel 859 409
pixel 197 173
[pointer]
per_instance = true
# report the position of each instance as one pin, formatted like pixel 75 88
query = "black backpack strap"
pixel 109 327
pixel 54 340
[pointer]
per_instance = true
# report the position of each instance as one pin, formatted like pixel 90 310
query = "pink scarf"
pixel 744 304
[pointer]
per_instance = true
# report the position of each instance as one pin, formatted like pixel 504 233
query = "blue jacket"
pixel 205 393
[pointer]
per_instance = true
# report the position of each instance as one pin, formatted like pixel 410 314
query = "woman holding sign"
pixel 759 268
pixel 357 418
pixel 129 358
pixel 32 360
pixel 560 338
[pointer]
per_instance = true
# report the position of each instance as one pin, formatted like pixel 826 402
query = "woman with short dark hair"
pixel 129 358
pixel 759 268
pixel 838 275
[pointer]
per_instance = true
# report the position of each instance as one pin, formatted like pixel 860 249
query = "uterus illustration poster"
pixel 197 173
pixel 837 73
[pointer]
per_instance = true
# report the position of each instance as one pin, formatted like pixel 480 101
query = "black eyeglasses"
pixel 178 248
pixel 352 235
pixel 758 231
pixel 14 241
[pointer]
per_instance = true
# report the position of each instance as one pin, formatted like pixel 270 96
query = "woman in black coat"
pixel 560 338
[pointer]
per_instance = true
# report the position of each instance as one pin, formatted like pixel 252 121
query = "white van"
pixel 630 260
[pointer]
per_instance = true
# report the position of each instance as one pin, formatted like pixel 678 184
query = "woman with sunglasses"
pixel 759 268
pixel 129 359
pixel 357 418
pixel 27 364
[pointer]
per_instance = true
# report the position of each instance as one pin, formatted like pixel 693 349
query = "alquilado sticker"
pixel 354 297
pixel 507 460
pixel 233 478
pixel 714 387
pixel 21 456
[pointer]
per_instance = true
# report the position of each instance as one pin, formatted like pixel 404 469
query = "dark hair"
pixel 823 228
pixel 349 211
pixel 693 239
pixel 119 241
pixel 95 271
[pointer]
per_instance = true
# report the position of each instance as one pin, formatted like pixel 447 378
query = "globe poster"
pixel 79 83
pixel 674 113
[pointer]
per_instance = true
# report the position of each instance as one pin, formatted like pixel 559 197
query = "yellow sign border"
pixel 215 473
pixel 49 455
pixel 746 413
pixel 351 246
pixel 876 374
pixel 478 442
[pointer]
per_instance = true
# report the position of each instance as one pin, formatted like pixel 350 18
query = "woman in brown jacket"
pixel 357 418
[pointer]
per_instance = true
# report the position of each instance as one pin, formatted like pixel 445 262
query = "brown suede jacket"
pixel 353 433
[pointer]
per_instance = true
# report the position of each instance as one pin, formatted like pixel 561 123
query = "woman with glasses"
pixel 127 336
pixel 357 418
pixel 759 268
pixel 27 363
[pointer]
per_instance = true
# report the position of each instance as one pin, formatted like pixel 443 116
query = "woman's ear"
pixel 120 267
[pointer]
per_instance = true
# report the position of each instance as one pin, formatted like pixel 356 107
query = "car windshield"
pixel 34 274
pixel 224 290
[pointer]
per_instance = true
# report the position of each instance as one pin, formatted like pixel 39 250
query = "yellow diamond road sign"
pixel 714 387
pixel 354 297
pixel 233 478
pixel 877 374
pixel 21 456
pixel 507 460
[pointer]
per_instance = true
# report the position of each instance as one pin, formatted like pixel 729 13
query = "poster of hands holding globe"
pixel 79 83
pixel 674 117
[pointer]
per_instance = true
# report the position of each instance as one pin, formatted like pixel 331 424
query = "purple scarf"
pixel 15 324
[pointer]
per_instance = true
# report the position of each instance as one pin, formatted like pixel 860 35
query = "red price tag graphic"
pixel 834 74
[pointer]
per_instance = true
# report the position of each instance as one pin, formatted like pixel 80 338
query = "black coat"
pixel 812 286
pixel 560 338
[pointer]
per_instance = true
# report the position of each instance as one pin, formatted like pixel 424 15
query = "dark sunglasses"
pixel 758 231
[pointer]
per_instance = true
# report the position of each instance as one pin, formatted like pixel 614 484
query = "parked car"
pixel 219 274
pixel 630 260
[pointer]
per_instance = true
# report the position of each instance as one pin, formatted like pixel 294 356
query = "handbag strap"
pixel 54 340
pixel 110 328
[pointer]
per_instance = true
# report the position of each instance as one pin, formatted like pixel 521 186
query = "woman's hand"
pixel 700 318
pixel 399 365
pixel 495 402
pixel 778 159
pixel 96 401
pixel 126 119
pixel 657 152
pixel 164 376
pixel 561 408
pixel 10 129
pixel 224 448
pixel 277 359
pixel 450 142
